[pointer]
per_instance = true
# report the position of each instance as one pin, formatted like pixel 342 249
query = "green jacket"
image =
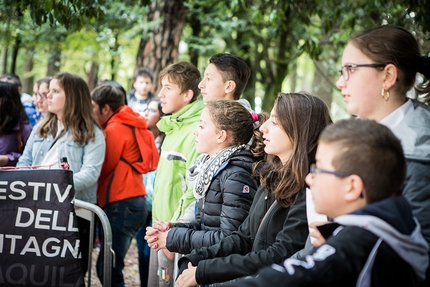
pixel 172 194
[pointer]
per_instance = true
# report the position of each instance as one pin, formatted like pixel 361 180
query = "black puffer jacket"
pixel 223 209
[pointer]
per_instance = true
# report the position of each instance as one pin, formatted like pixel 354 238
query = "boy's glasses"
pixel 349 69
pixel 42 95
pixel 150 110
pixel 314 170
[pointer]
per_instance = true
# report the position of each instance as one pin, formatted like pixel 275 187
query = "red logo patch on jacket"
pixel 245 189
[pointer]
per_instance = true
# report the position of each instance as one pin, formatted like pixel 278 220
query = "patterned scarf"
pixel 200 174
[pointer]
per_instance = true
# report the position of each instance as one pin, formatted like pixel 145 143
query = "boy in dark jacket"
pixel 374 239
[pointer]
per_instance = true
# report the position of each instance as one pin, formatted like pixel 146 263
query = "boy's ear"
pixel 230 86
pixel 355 188
pixel 188 96
pixel 106 110
pixel 390 76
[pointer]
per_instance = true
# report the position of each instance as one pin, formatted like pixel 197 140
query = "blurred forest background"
pixel 290 45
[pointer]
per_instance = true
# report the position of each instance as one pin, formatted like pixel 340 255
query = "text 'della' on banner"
pixel 39 239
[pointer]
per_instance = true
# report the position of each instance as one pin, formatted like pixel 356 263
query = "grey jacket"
pixel 414 134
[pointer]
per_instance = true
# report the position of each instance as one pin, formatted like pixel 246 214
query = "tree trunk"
pixel 5 55
pixel 293 76
pixel 15 51
pixel 114 57
pixel 112 68
pixel 249 92
pixel 28 82
pixel 280 71
pixel 323 83
pixel 245 49
pixel 54 61
pixel 161 48
pixel 195 25
pixel 92 76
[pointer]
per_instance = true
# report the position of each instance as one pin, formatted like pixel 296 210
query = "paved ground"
pixel 131 269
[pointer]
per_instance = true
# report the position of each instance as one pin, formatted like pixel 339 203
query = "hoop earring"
pixel 385 96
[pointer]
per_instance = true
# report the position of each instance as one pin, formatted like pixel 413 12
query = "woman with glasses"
pixel 276 226
pixel 41 90
pixel 14 125
pixel 379 67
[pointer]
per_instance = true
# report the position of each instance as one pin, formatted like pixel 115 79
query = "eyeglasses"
pixel 349 69
pixel 150 110
pixel 42 95
pixel 315 170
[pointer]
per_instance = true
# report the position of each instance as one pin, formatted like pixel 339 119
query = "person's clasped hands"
pixel 157 234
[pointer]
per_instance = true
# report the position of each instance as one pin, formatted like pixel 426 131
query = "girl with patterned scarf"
pixel 221 177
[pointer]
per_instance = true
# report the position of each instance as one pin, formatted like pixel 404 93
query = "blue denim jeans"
pixel 126 217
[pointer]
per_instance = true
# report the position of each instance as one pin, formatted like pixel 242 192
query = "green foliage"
pixel 72 14
pixel 272 36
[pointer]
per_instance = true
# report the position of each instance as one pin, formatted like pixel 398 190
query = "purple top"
pixel 9 143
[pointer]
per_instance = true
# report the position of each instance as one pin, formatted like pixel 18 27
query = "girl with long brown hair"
pixel 276 227
pixel 70 130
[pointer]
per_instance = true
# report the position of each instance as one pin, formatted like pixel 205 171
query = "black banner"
pixel 39 239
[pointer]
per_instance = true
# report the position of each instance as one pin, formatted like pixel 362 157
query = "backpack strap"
pixel 131 165
pixel 140 157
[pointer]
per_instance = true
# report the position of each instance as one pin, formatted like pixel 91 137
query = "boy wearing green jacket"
pixel 179 101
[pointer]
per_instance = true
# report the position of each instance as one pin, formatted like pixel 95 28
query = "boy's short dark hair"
pixel 106 94
pixel 11 78
pixel 185 75
pixel 143 72
pixel 232 68
pixel 371 151
pixel 114 84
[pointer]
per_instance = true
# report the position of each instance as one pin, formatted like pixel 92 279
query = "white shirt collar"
pixel 393 119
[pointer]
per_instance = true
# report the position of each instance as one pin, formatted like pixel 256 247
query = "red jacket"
pixel 118 179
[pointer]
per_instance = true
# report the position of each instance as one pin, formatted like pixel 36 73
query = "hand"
pixel 316 237
pixel 188 277
pixel 156 239
pixel 4 159
pixel 162 226
pixel 151 235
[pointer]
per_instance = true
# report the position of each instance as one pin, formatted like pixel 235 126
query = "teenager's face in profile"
pixel 276 140
pixel 362 91
pixel 207 135
pixel 326 188
pixel 152 114
pixel 212 86
pixel 56 98
pixel 172 100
